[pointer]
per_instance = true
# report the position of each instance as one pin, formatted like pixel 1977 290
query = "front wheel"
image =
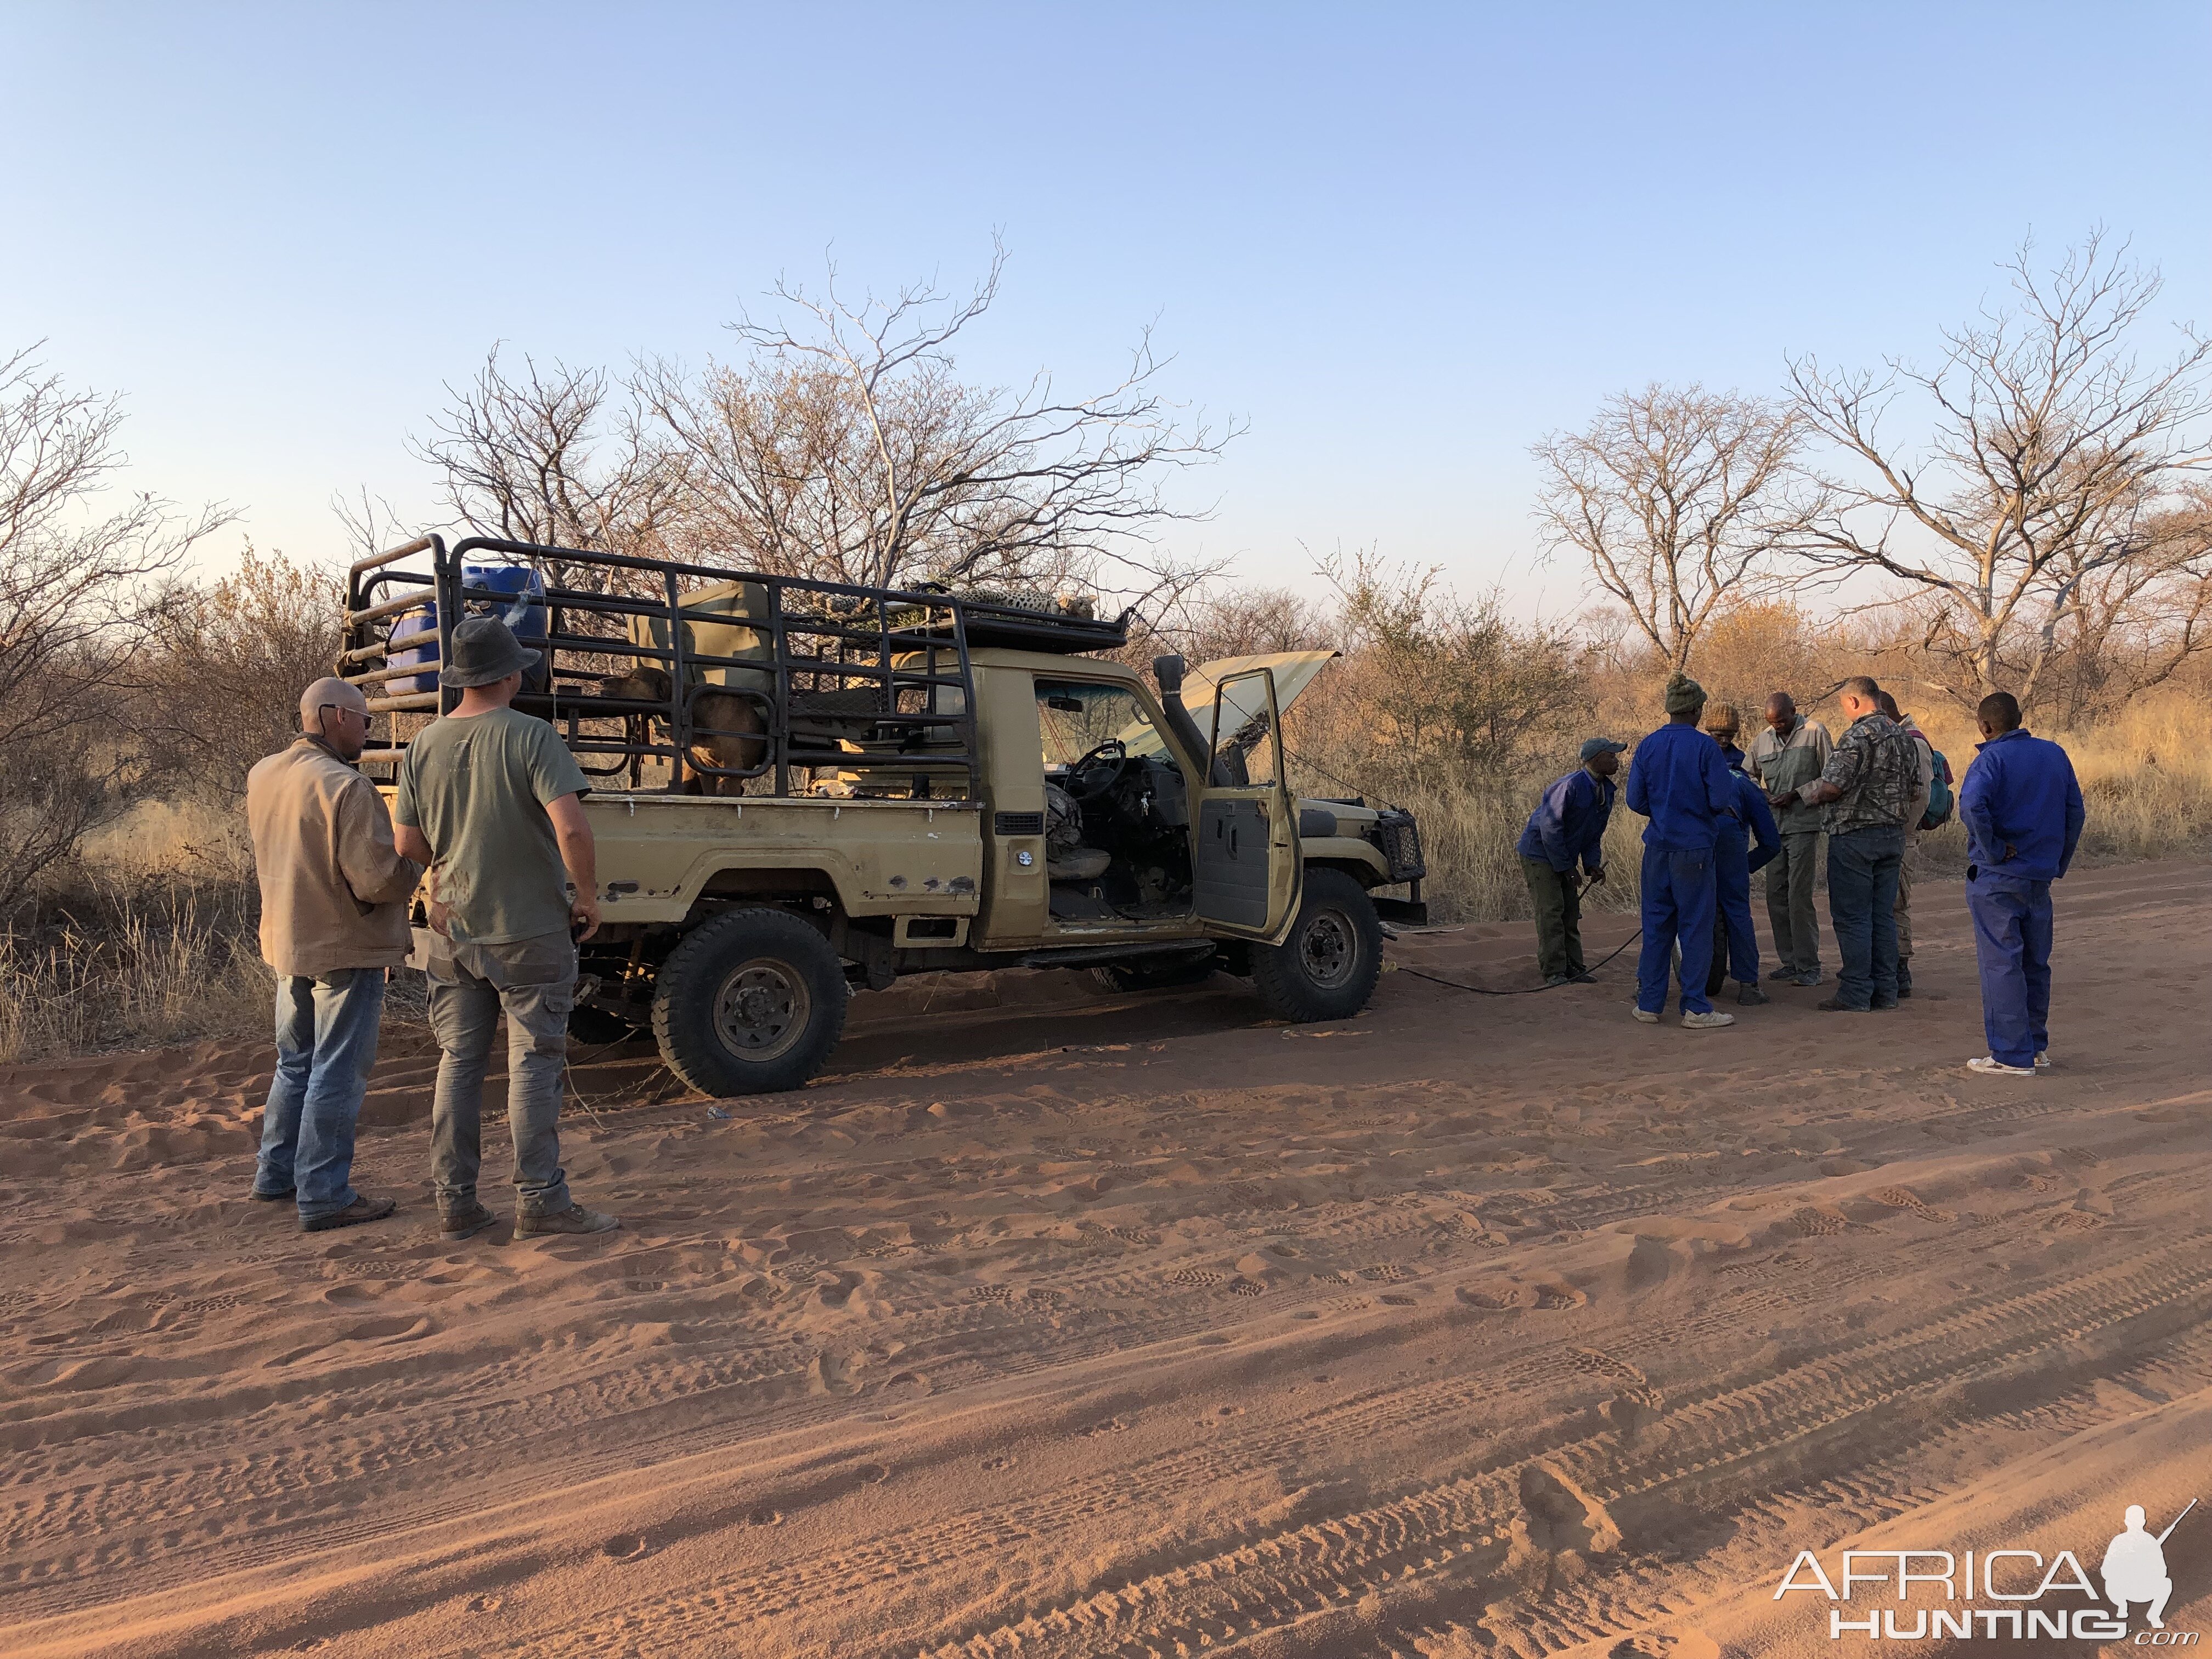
pixel 750 1003
pixel 1327 968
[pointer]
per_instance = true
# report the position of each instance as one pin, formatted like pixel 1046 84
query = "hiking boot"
pixel 1810 976
pixel 1711 1020
pixel 1751 996
pixel 1551 979
pixel 1837 1005
pixel 574 1219
pixel 284 1197
pixel 1644 1015
pixel 1991 1066
pixel 363 1208
pixel 1785 971
pixel 456 1224
pixel 1883 1004
pixel 1582 976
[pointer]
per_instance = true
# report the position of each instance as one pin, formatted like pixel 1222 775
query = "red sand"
pixel 1051 1324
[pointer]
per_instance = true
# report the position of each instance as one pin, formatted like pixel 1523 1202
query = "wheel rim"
pixel 1328 949
pixel 761 1010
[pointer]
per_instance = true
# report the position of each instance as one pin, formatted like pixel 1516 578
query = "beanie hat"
pixel 1684 695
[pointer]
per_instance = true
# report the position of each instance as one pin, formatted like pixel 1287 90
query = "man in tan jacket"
pixel 334 893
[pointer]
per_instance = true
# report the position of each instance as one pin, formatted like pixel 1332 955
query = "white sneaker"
pixel 2043 1059
pixel 1995 1067
pixel 1711 1020
pixel 1644 1014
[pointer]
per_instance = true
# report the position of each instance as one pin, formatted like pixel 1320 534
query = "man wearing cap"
pixel 492 801
pixel 334 892
pixel 1742 845
pixel 1567 830
pixel 1788 754
pixel 1680 782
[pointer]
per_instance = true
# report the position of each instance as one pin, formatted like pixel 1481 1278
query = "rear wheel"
pixel 750 1003
pixel 1327 968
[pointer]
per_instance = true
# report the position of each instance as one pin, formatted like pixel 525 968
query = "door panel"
pixel 1244 859
pixel 1232 861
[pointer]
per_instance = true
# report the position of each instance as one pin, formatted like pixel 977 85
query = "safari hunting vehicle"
pixel 799 787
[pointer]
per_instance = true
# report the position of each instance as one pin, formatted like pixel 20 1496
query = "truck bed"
pixel 658 852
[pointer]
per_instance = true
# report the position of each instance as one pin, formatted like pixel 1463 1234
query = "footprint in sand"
pixel 999 1465
pixel 764 1518
pixel 624 1546
pixel 484 1604
pixel 1650 1644
pixel 1247 1287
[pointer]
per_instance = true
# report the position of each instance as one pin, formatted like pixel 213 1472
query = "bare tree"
pixel 849 448
pixel 1454 689
pixel 1678 498
pixel 226 662
pixel 1243 622
pixel 2131 625
pixel 2052 459
pixel 76 604
pixel 540 457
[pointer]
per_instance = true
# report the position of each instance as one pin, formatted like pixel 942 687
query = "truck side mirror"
pixel 1168 670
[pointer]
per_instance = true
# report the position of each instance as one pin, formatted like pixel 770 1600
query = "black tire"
pixel 751 1003
pixel 1327 968
pixel 1121 978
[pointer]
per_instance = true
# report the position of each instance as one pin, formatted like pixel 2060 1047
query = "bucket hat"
pixel 485 649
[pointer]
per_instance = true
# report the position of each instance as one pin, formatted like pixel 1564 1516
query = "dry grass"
pixel 135 965
pixel 151 939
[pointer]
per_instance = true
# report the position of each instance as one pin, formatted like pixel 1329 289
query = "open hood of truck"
pixel 1201 690
pixel 1294 672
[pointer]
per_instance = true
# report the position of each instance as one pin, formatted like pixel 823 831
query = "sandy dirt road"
pixel 1080 1327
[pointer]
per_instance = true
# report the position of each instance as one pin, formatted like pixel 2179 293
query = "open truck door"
pixel 1245 865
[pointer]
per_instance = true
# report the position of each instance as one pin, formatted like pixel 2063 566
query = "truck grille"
pixel 1017 824
pixel 1397 839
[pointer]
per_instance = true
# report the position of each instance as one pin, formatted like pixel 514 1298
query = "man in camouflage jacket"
pixel 1866 787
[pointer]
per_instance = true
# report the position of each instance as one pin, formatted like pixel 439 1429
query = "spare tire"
pixel 750 1003
pixel 1327 968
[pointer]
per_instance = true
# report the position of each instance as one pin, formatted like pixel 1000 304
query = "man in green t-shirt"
pixel 492 801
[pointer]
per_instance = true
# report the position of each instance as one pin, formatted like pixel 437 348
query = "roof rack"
pixel 719 674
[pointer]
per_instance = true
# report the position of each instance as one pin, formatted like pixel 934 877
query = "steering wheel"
pixel 1097 772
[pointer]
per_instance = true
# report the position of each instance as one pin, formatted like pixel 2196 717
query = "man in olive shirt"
pixel 1785 757
pixel 491 800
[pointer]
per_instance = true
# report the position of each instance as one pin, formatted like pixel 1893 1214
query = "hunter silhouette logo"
pixel 2134 1566
pixel 2000 1593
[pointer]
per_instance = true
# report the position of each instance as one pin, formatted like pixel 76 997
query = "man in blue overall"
pixel 1679 781
pixel 2023 813
pixel 1745 843
pixel 1567 829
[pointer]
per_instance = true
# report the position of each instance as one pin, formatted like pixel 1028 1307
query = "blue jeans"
pixel 326 1031
pixel 2012 946
pixel 1678 903
pixel 1862 866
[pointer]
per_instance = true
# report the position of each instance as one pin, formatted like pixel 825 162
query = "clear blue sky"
pixel 1403 241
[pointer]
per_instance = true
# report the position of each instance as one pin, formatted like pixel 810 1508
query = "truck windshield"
pixel 1075 716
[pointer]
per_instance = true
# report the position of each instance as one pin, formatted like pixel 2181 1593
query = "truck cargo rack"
pixel 874 681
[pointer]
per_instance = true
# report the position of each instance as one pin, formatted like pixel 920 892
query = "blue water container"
pixel 516 596
pixel 420 625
